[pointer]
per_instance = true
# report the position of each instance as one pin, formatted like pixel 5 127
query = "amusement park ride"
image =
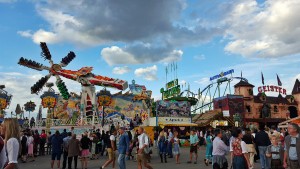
pixel 84 76
pixel 210 92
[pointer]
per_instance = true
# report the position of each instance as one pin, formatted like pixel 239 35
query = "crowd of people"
pixel 273 148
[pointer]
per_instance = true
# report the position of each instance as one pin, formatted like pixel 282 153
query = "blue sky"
pixel 137 40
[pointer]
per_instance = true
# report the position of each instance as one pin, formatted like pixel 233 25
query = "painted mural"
pixel 127 106
pixel 67 109
pixel 173 108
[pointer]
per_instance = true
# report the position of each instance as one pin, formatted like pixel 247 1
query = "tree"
pixel 18 110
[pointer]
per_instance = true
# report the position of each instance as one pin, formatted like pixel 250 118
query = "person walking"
pixel 43 139
pixel 30 143
pixel 73 151
pixel 262 141
pixel 176 150
pixel 170 143
pixel 111 148
pixel 219 151
pixel 162 146
pixel 123 147
pixel 65 148
pixel 193 146
pixel 208 152
pixel 85 142
pixel 24 146
pixel 156 134
pixel 57 142
pixel 275 153
pixel 238 149
pixel 249 140
pixel 143 141
pixel 49 144
pixel 10 130
pixel 292 147
pixel 36 137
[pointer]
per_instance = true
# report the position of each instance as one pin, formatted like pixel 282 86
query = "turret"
pixel 244 88
pixel 296 94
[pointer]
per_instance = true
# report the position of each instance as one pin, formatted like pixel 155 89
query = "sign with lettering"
pixel 271 88
pixel 222 74
pixel 174 120
pixel 172 89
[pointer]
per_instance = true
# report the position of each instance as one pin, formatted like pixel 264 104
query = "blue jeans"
pixel 169 149
pixel 121 161
pixel 262 155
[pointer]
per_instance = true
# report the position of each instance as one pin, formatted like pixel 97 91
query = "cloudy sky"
pixel 136 39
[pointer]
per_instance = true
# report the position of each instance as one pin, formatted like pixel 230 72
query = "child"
pixel 275 153
pixel 176 150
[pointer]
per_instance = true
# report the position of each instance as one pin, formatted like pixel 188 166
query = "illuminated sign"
pixel 222 74
pixel 172 89
pixel 271 88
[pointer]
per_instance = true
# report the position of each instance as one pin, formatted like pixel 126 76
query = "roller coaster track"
pixel 205 96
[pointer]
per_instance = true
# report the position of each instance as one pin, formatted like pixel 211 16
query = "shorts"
pixel 111 154
pixel 141 158
pixel 193 149
pixel 57 155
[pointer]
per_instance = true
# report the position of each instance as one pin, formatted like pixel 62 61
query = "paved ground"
pixel 43 162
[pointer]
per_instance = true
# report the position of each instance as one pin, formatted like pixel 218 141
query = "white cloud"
pixel 8 1
pixel 19 84
pixel 121 70
pixel 182 82
pixel 148 73
pixel 203 81
pixel 152 31
pixel 139 54
pixel 199 57
pixel 271 29
pixel 26 34
pixel 115 55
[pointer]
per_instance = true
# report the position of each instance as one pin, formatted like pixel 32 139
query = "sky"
pixel 138 39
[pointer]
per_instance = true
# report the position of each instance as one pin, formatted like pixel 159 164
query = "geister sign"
pixel 272 88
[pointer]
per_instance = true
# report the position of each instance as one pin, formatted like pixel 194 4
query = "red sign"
pixel 272 88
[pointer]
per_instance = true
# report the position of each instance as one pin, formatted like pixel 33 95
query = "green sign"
pixel 172 84
pixel 173 89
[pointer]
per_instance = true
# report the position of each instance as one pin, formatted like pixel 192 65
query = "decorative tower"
pixel 296 94
pixel 244 88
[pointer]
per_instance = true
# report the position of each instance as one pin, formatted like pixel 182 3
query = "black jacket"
pixel 262 139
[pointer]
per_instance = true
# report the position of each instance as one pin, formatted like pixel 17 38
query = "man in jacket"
pixel 262 140
pixel 65 148
pixel 123 147
pixel 292 147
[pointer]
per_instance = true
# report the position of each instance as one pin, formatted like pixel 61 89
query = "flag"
pixel 262 79
pixel 278 81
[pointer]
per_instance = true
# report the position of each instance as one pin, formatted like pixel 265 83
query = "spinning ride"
pixel 84 76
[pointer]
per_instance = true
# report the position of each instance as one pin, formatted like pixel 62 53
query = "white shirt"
pixel 3 158
pixel 243 145
pixel 112 138
pixel 143 140
pixel 12 146
pixel 219 147
pixel 30 140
